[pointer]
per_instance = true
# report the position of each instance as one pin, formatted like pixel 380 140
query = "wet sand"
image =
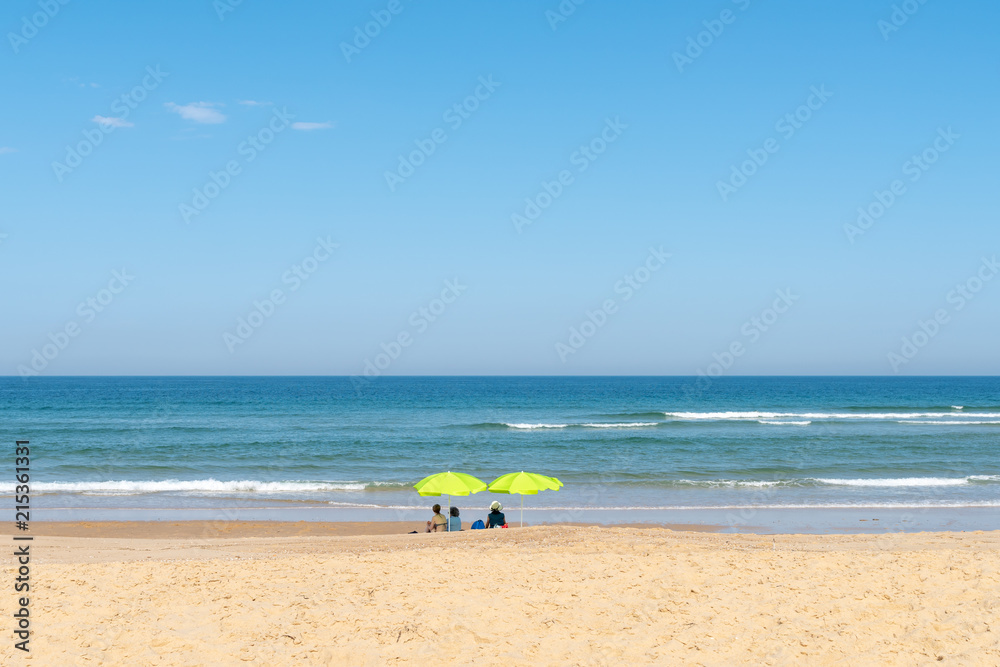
pixel 212 529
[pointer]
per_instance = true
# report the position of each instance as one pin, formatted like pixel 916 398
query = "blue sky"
pixel 640 137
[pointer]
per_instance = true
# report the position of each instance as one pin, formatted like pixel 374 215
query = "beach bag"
pixel 478 525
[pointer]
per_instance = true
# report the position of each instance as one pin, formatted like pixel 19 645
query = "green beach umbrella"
pixel 524 483
pixel 449 484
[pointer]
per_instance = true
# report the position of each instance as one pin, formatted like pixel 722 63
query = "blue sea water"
pixel 663 447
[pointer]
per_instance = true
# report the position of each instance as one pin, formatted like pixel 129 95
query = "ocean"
pixel 778 453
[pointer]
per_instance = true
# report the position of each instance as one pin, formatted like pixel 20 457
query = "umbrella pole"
pixel 522 510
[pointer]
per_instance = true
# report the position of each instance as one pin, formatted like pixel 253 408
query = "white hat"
pixel 495 505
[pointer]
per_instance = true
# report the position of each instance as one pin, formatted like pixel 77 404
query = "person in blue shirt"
pixel 454 523
pixel 495 519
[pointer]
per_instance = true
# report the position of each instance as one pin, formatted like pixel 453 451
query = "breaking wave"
pixel 208 486
pixel 772 422
pixel 951 417
pixel 588 425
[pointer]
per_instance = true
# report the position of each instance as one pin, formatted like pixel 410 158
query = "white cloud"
pixel 82 84
pixel 113 121
pixel 311 126
pixel 255 103
pixel 199 112
pixel 7 149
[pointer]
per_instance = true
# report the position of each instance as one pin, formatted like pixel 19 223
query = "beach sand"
pixel 164 594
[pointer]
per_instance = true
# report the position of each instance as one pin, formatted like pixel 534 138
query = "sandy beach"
pixel 555 595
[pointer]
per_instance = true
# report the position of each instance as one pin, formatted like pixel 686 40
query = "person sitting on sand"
pixel 454 523
pixel 495 519
pixel 437 522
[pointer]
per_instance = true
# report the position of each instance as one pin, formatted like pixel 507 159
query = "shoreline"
pixel 753 520
pixel 240 529
pixel 249 529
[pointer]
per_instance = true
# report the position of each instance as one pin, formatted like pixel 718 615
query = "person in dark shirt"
pixel 495 519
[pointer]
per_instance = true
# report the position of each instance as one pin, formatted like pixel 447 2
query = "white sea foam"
pixel 788 418
pixel 958 407
pixel 861 482
pixel 949 422
pixel 212 486
pixel 621 425
pixel 900 481
pixel 590 425
pixel 715 483
pixel 772 422
pixel 127 487
pixel 802 416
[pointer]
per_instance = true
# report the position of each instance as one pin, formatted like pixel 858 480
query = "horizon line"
pixel 373 379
